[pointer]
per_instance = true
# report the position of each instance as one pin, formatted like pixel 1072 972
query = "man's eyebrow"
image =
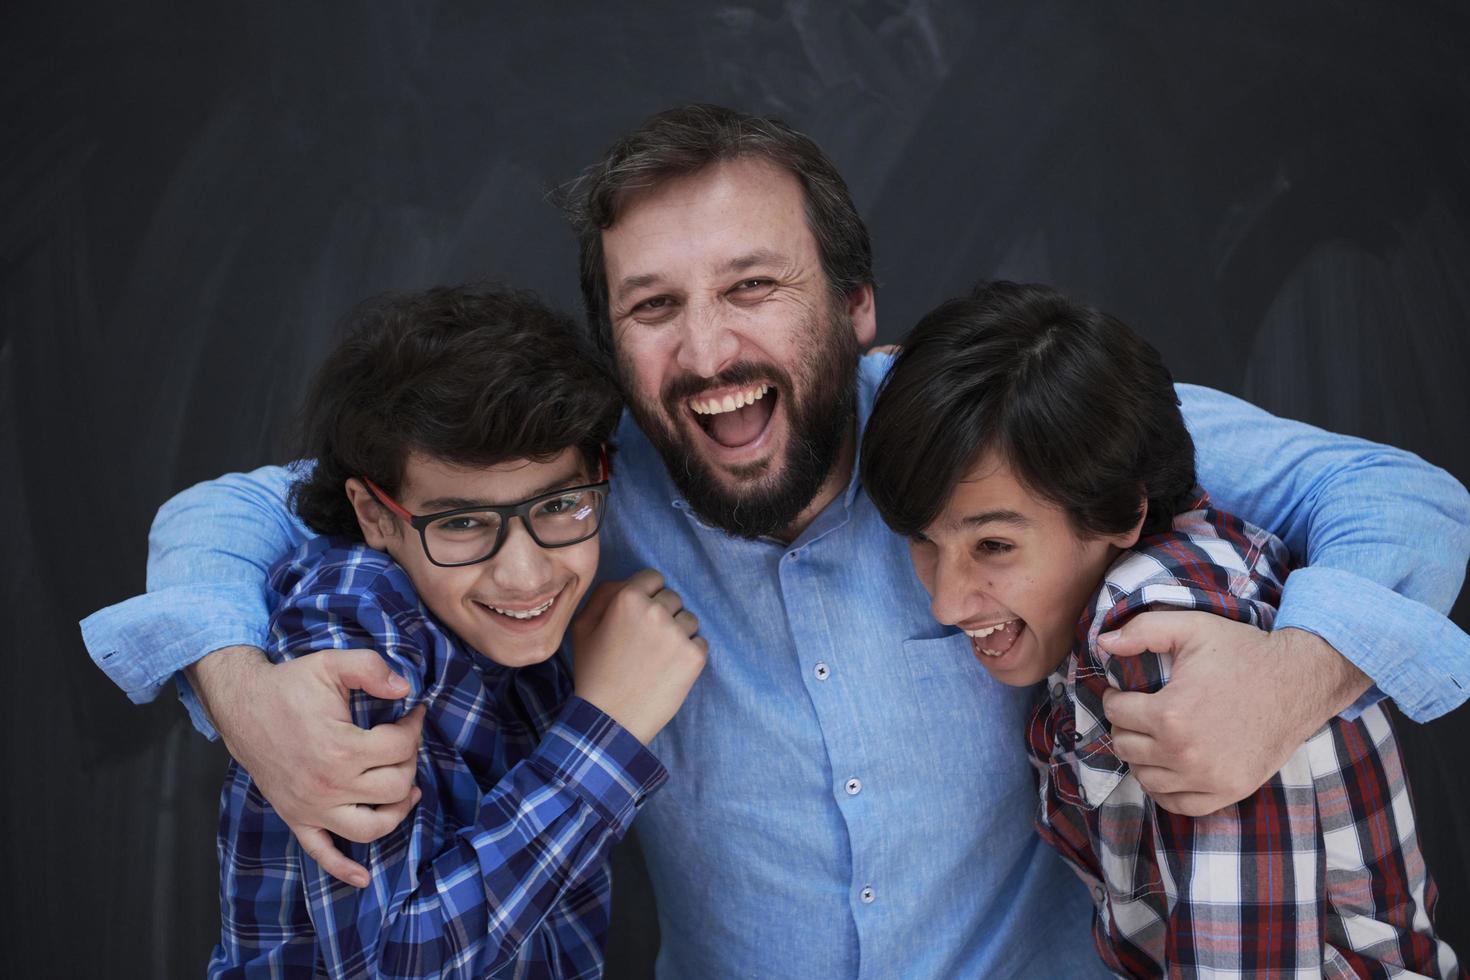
pixel 761 256
pixel 1011 517
pixel 629 283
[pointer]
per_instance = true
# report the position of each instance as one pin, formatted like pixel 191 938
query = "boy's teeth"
pixel 525 613
pixel 719 406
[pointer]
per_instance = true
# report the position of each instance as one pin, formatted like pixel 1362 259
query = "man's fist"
pixel 289 725
pixel 1238 704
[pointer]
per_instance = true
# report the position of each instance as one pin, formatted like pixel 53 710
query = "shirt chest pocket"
pixel 973 724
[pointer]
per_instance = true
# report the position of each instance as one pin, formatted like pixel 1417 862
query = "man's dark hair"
pixel 1081 408
pixel 475 375
pixel 682 141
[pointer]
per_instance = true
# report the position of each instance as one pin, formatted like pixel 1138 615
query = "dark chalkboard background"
pixel 1277 194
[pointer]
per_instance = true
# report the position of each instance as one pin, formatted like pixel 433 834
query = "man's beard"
pixel 819 419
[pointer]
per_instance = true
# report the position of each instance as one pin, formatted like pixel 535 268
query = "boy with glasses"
pixel 460 478
pixel 1034 453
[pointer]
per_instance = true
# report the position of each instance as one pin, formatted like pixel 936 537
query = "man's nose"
pixel 707 345
pixel 521 565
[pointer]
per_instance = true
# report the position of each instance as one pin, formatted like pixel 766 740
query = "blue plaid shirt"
pixel 502 867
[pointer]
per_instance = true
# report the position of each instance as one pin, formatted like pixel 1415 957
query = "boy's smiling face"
pixel 475 600
pixel 1010 569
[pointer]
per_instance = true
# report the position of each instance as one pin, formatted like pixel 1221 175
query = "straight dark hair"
pixel 687 139
pixel 474 375
pixel 1081 408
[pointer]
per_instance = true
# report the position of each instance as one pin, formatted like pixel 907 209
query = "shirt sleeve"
pixel 209 554
pixel 491 892
pixel 1384 536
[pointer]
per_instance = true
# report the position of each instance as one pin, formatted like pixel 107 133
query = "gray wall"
pixel 1277 195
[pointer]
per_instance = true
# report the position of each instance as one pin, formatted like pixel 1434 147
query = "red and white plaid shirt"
pixel 1319 873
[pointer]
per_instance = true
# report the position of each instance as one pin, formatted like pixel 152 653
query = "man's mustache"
pixel 681 389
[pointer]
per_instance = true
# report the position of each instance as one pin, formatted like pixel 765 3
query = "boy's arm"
pixel 210 552
pixel 1386 537
pixel 1230 875
pixel 467 903
pixel 1251 869
pixel 473 902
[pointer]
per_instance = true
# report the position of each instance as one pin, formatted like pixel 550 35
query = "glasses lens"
pixel 462 537
pixel 568 517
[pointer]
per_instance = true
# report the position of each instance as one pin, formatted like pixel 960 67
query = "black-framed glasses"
pixel 470 535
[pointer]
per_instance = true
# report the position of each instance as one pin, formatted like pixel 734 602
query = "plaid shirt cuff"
pixel 601 761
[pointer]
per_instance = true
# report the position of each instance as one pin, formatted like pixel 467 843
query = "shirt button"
pixel 1058 690
pixel 792 555
pixel 854 786
pixel 867 895
pixel 1082 793
pixel 1099 894
pixel 821 671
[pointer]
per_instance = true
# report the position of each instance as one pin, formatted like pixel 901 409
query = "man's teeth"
pixel 986 631
pixel 719 406
pixel 525 613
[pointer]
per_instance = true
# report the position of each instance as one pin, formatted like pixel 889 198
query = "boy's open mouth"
pixel 997 638
pixel 735 417
pixel 520 616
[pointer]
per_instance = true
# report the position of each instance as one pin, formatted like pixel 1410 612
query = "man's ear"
pixel 862 307
pixel 377 524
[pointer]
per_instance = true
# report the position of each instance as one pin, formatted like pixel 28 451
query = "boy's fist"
pixel 635 653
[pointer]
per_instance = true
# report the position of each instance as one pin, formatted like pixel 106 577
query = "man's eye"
pixel 918 538
pixel 990 547
pixel 756 285
pixel 654 304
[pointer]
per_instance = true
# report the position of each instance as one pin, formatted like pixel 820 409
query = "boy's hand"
pixel 635 655
pixel 289 726
pixel 1238 703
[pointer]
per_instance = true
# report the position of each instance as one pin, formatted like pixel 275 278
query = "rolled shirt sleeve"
pixel 209 556
pixel 1383 534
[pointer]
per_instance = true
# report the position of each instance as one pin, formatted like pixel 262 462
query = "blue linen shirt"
pixel 502 866
pixel 850 795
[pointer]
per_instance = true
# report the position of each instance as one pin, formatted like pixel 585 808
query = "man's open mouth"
pixel 735 417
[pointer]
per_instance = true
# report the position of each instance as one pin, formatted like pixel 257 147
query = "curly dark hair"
pixel 1081 407
pixel 473 374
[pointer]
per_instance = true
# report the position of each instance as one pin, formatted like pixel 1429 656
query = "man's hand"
pixel 635 655
pixel 1238 703
pixel 289 725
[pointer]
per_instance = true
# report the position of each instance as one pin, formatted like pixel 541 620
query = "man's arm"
pixel 209 553
pixel 1385 536
pixel 203 622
